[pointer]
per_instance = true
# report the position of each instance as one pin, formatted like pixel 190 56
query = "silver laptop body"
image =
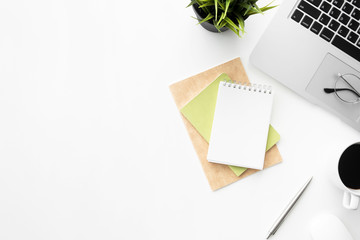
pixel 306 51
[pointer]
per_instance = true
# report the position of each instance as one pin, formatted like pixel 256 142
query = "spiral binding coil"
pixel 248 86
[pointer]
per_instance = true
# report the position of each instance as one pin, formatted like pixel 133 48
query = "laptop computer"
pixel 309 45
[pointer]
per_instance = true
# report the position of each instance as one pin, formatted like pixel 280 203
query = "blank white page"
pixel 240 127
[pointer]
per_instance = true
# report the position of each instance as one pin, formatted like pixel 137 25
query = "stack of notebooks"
pixel 227 119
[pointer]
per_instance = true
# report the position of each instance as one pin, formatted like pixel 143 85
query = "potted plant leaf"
pixel 220 15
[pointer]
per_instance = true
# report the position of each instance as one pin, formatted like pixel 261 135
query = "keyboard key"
pixel 334 25
pixel 309 9
pixel 356 3
pixel 338 3
pixel 315 2
pixel 347 8
pixel 335 12
pixel 353 37
pixel 327 34
pixel 307 21
pixel 326 7
pixel 316 28
pixel 356 14
pixel 346 47
pixel 358 44
pixel 353 25
pixel 297 15
pixel 344 19
pixel 343 31
pixel 324 19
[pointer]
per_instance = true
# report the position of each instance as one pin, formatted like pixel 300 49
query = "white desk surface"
pixel 93 147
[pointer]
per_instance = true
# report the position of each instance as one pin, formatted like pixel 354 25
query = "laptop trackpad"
pixel 325 77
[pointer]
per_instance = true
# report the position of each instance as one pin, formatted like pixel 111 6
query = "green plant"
pixel 228 13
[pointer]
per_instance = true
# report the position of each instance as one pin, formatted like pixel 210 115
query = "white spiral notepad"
pixel 241 123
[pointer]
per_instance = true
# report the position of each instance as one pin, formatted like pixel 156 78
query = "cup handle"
pixel 350 201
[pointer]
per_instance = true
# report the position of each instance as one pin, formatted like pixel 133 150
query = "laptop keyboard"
pixel 336 21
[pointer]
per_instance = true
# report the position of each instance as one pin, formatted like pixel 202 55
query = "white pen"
pixel 283 215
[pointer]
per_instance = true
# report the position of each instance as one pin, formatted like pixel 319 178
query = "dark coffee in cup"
pixel 349 167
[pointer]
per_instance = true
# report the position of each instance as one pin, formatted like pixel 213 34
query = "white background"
pixel 93 147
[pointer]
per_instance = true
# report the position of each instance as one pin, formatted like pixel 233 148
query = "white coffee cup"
pixel 346 175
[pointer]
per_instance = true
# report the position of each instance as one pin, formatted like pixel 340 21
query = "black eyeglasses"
pixel 347 88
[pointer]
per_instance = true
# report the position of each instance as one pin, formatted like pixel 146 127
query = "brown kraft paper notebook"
pixel 218 175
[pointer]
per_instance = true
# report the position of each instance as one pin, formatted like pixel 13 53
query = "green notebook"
pixel 200 112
